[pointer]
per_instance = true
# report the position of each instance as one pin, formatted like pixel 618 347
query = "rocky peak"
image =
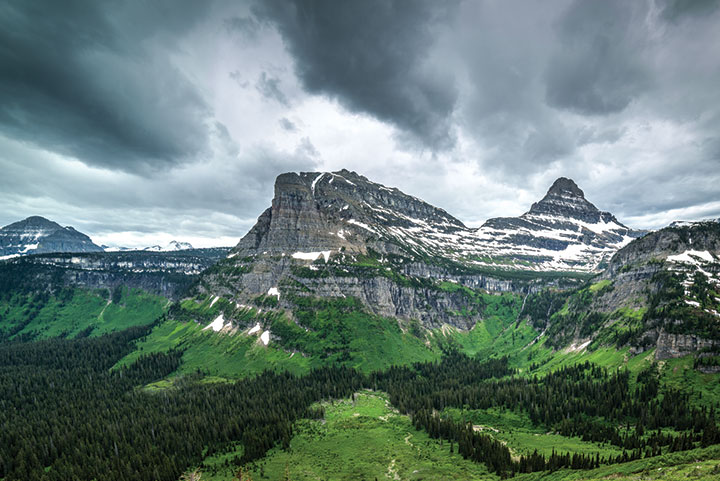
pixel 566 199
pixel 314 213
pixel 34 222
pixel 321 211
pixel 565 187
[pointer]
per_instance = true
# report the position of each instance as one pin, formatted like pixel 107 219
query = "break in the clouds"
pixel 136 121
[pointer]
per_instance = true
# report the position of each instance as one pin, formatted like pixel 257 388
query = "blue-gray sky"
pixel 141 122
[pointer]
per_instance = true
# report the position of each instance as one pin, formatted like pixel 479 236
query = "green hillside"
pixel 72 312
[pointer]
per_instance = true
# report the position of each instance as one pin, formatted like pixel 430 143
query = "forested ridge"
pixel 67 415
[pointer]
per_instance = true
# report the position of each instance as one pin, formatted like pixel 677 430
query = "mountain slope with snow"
pixel 344 212
pixel 37 235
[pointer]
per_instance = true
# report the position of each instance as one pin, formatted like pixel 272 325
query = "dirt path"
pixel 392 471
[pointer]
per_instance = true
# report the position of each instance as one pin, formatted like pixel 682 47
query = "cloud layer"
pixel 135 121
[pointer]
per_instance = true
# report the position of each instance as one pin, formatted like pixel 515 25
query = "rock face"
pixel 678 345
pixel 340 234
pixel 167 274
pixel 315 212
pixel 37 235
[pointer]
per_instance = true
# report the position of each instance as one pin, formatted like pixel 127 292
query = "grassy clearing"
pixel 515 429
pixel 680 374
pixel 365 439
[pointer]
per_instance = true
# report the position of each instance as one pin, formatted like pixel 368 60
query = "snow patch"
pixel 312 188
pixel 265 337
pixel 578 347
pixel 273 291
pixel 216 325
pixel 254 329
pixel 311 256
pixel 692 256
pixel 215 299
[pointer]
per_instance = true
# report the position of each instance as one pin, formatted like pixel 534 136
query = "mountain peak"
pixel 565 187
pixel 566 199
pixel 37 235
pixel 34 221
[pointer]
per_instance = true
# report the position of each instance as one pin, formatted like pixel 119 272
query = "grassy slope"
pixel 76 310
pixel 332 335
pixel 362 440
pixel 697 464
pixel 216 354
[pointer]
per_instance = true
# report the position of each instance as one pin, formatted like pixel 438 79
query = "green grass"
pixel 365 439
pixel 599 285
pixel 515 429
pixel 78 310
pixel 220 355
pixel 679 374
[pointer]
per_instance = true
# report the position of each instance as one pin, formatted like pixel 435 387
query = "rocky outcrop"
pixel 693 237
pixel 37 235
pixel 677 345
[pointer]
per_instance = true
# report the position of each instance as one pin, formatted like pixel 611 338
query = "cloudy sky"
pixel 142 122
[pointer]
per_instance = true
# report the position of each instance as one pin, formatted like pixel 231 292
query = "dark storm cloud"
pixel 269 87
pixel 83 79
pixel 598 67
pixel 370 55
pixel 676 10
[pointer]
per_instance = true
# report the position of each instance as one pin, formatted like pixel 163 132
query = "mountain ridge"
pixel 311 213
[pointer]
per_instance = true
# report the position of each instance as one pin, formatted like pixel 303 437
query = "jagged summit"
pixel 36 235
pixel 323 213
pixel 566 199
pixel 565 187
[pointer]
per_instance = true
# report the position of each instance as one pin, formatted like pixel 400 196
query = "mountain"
pixel 563 231
pixel 660 292
pixel 173 246
pixel 342 211
pixel 37 235
pixel 336 234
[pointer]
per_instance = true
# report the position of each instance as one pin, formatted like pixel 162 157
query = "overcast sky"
pixel 142 122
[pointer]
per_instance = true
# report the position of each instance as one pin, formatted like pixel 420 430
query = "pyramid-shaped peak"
pixel 565 187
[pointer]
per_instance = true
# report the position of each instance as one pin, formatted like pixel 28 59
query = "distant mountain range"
pixel 38 235
pixel 173 246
